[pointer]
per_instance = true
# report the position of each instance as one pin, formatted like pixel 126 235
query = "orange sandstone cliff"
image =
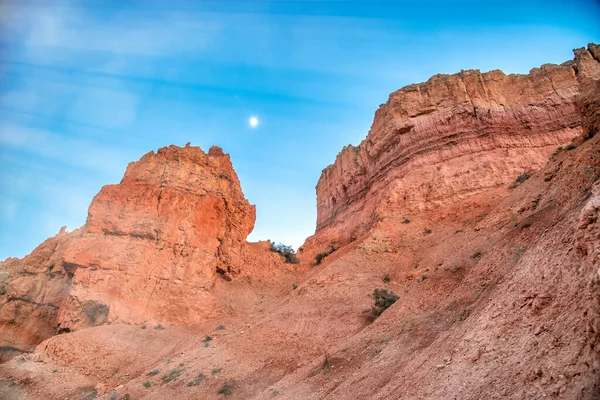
pixel 153 248
pixel 446 140
pixel 475 198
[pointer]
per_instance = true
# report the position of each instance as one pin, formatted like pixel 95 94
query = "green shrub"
pixel 520 179
pixel 287 251
pixel 383 300
pixel 155 371
pixel 197 381
pixel 226 388
pixel 147 384
pixel 171 375
pixel 220 327
pixel 387 278
pixel 426 230
pixel 319 257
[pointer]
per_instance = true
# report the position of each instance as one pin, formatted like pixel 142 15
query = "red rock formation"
pixel 498 300
pixel 448 139
pixel 152 249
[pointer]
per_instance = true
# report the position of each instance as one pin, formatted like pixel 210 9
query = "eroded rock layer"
pixel 452 137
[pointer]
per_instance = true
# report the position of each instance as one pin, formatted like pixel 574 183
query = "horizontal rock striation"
pixel 452 137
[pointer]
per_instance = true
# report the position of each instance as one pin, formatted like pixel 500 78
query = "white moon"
pixel 253 122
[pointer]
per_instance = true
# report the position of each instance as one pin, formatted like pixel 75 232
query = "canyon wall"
pixel 448 139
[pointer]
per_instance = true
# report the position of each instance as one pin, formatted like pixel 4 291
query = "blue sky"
pixel 88 86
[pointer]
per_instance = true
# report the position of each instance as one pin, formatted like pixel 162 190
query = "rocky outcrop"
pixel 152 249
pixel 450 138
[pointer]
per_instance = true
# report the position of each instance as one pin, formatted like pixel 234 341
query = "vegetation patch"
pixel 383 300
pixel 325 367
pixel 171 375
pixel 227 388
pixel 95 312
pixel 520 179
pixel 286 251
pixel 519 252
pixel 197 380
pixel 215 371
pixel 319 257
pixel 155 371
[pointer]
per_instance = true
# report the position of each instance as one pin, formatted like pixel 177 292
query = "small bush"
pixel 477 255
pixel 387 278
pixel 520 179
pixel 426 230
pixel 215 371
pixel 519 252
pixel 143 326
pixel 294 286
pixel 171 375
pixel 220 327
pixel 159 327
pixel 406 221
pixel 287 251
pixel 319 257
pixel 383 300
pixel 147 384
pixel 570 146
pixel 155 371
pixel 206 340
pixel 197 381
pixel 226 388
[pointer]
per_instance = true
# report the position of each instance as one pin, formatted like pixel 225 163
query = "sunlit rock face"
pixel 151 250
pixel 448 139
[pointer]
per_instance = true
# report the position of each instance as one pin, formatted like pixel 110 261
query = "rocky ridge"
pixel 448 139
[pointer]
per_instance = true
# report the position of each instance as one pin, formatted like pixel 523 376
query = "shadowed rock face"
pixel 451 138
pixel 151 249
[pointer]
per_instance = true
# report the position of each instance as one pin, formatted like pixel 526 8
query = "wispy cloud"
pixel 79 153
pixel 52 26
